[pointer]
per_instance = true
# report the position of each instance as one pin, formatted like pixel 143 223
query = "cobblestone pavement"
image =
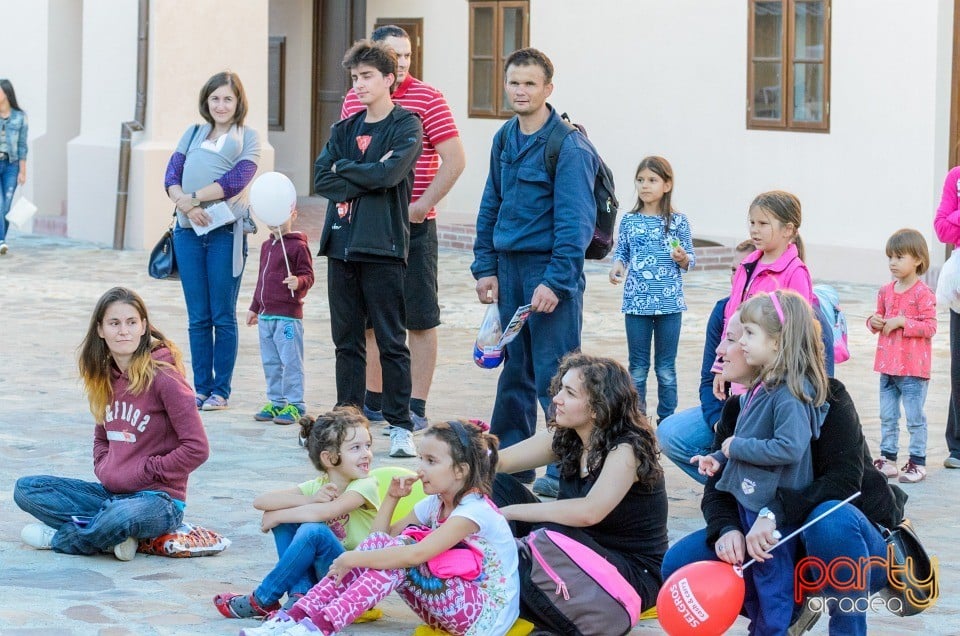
pixel 49 289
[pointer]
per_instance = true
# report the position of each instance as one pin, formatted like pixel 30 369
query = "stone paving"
pixel 49 289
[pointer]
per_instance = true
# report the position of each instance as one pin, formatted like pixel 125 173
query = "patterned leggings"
pixel 452 605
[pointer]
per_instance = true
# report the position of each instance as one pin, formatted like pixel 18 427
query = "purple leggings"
pixel 452 605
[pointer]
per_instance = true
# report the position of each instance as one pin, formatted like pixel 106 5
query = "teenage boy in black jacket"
pixel 366 173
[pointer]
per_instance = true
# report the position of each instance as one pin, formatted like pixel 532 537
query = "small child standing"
pixel 654 249
pixel 314 522
pixel 277 308
pixel 906 320
pixel 770 448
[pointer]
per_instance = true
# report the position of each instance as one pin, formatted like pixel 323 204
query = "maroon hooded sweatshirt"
pixel 150 441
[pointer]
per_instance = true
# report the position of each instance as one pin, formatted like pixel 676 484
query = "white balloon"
pixel 272 197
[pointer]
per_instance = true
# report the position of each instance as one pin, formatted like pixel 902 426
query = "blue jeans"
pixel 664 330
pixel 281 352
pixel 683 435
pixel 531 360
pixel 306 551
pixel 9 170
pixel 912 391
pixel 846 532
pixel 210 291
pixel 114 518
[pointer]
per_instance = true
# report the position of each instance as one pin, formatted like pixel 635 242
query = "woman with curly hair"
pixel 612 496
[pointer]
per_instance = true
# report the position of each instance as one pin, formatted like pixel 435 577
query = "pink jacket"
pixel 787 272
pixel 947 221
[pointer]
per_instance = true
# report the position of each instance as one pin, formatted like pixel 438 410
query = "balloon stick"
pixel 805 526
pixel 286 260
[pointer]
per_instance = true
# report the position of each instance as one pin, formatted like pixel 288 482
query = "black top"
pixel 636 528
pixel 373 194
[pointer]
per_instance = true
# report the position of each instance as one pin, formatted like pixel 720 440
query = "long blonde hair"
pixel 96 363
pixel 800 353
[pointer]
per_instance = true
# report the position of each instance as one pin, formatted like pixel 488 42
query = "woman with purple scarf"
pixel 207 179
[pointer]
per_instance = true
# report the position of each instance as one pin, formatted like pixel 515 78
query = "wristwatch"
pixel 194 201
pixel 767 513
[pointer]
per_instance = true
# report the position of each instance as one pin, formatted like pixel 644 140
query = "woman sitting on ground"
pixel 147 440
pixel 612 496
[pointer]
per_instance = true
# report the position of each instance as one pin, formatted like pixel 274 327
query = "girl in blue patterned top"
pixel 654 248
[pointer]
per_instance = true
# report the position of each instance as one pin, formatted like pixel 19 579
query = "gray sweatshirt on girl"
pixel 771 446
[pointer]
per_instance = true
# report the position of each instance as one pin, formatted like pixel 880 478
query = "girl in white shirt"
pixel 457 464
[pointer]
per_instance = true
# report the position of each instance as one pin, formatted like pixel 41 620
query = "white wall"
pixel 109 71
pixel 294 19
pixel 676 86
pixel 40 51
pixel 188 44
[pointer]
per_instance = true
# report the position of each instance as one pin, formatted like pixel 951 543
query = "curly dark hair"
pixel 617 419
pixel 328 431
pixel 470 445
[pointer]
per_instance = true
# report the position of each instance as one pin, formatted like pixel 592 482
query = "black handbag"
pixel 163 262
pixel 913 579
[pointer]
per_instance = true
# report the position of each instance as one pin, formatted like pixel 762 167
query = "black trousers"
pixel 953 409
pixel 358 292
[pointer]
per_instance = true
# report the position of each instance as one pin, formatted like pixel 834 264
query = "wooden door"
pixel 337 24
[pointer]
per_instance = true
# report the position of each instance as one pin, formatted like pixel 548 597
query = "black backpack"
pixel 604 193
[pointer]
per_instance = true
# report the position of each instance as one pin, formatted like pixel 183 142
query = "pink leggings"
pixel 452 605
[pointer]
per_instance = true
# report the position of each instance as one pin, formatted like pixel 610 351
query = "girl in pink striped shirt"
pixel 906 320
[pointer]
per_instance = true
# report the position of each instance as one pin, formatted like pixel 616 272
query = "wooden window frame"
pixel 278 42
pixel 498 7
pixel 787 60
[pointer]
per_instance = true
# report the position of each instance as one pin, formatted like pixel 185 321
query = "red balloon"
pixel 701 599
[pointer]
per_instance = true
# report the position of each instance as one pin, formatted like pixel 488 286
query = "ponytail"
pixel 471 444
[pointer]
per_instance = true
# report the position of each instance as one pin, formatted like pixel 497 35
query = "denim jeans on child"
pixel 9 170
pixel 210 290
pixel 664 330
pixel 912 391
pixel 306 551
pixel 683 435
pixel 281 353
pixel 114 517
pixel 846 532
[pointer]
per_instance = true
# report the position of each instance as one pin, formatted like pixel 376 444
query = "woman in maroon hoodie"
pixel 147 439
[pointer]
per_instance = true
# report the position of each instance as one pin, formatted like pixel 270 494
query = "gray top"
pixel 203 166
pixel 771 446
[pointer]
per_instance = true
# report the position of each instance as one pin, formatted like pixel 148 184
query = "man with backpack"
pixel 533 229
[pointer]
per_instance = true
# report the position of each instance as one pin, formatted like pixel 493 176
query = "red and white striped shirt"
pixel 438 126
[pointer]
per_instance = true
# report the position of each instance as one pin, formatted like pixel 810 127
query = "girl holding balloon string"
pixel 286 274
pixel 770 449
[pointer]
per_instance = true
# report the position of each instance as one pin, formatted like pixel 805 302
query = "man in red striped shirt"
pixel 437 169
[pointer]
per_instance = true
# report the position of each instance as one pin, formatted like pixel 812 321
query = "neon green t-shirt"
pixel 353 527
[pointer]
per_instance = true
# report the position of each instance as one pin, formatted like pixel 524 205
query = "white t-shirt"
pixel 500 580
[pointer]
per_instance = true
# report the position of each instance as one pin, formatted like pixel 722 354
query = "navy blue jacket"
pixel 524 210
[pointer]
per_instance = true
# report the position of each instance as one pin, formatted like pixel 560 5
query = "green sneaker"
pixel 267 413
pixel 287 415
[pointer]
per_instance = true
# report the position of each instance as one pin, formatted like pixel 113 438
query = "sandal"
pixel 240 606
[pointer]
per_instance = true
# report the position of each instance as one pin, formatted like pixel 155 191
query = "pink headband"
pixel 776 306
